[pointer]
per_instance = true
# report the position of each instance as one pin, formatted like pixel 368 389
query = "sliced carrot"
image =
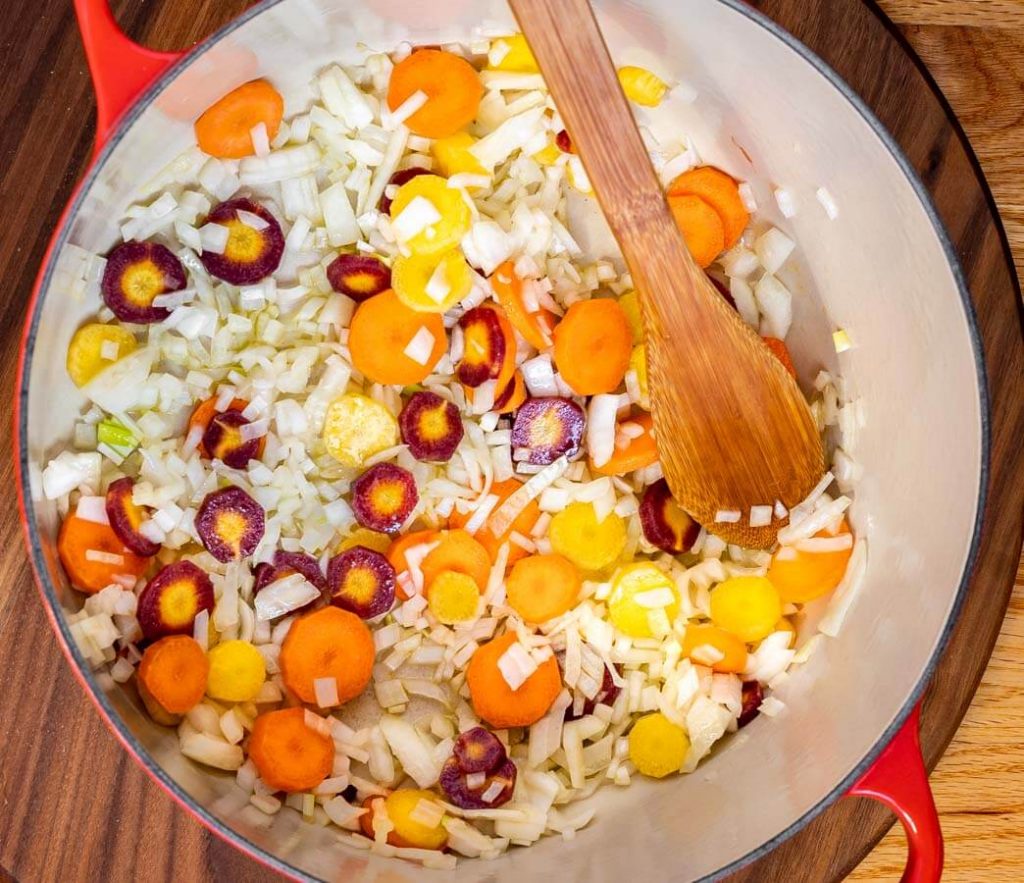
pixel 81 543
pixel 701 226
pixel 400 545
pixel 495 701
pixel 721 192
pixel 225 128
pixel 541 587
pixel 516 397
pixel 173 672
pixel 593 344
pixel 452 87
pixel 641 451
pixel 205 412
pixel 453 597
pixel 781 352
pixel 523 524
pixel 381 329
pixel 288 753
pixel 508 288
pixel 733 650
pixel 801 576
pixel 328 643
pixel 461 552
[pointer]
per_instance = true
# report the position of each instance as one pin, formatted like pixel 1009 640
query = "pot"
pixel 883 270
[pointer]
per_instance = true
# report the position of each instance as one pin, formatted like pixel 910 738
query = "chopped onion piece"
pixel 214 238
pixel 773 248
pixel 510 510
pixel 841 341
pixel 407 108
pixel 516 665
pixel 325 691
pixel 728 516
pixel 760 516
pixel 420 347
pixel 283 596
pixel 419 214
pixel 92 509
pixel 260 144
pixel 539 376
pixel 601 416
pixel 786 202
pixel 828 203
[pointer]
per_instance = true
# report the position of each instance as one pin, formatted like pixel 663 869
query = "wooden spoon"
pixel 733 429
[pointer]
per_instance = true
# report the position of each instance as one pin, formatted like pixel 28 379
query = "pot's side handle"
pixel 899 779
pixel 120 68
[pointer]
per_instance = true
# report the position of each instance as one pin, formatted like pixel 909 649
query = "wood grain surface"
pixel 75 807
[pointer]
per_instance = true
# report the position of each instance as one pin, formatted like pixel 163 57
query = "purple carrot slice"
pixel 135 275
pixel 230 524
pixel 253 252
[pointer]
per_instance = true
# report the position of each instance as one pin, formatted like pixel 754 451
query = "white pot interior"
pixel 880 270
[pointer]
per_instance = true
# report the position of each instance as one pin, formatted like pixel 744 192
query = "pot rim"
pixel 48 592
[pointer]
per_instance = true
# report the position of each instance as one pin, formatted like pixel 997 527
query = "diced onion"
pixel 419 214
pixel 92 509
pixel 786 201
pixel 260 142
pixel 727 516
pixel 828 203
pixel 283 596
pixel 539 376
pixel 326 692
pixel 601 416
pixel 214 238
pixel 760 516
pixel 773 248
pixel 420 347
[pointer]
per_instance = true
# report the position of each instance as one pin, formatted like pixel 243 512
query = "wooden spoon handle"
pixel 567 42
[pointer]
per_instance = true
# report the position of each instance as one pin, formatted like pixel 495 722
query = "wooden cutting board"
pixel 74 807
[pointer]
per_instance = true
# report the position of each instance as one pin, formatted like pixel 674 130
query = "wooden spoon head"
pixel 733 429
pixel 732 426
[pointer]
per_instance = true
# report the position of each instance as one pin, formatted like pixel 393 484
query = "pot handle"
pixel 121 69
pixel 899 779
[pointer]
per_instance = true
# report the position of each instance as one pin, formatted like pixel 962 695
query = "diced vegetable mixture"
pixel 365 500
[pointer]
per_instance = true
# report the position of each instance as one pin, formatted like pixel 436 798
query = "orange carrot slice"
pixel 328 643
pixel 721 192
pixel 508 288
pixel 593 344
pixel 225 128
pixel 641 451
pixel 452 87
pixel 496 702
pixel 401 545
pixel 523 524
pixel 205 412
pixel 733 650
pixel 461 552
pixel 701 226
pixel 802 576
pixel 288 753
pixel 541 587
pixel 83 546
pixel 381 329
pixel 516 395
pixel 173 672
pixel 781 352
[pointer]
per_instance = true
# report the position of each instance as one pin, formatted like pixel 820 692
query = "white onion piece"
pixel 510 510
pixel 828 203
pixel 539 376
pixel 776 305
pixel 212 751
pixel 283 596
pixel 419 214
pixel 214 238
pixel 420 347
pixel 92 509
pixel 601 416
pixel 773 248
pixel 407 108
pixel 411 750
pixel 325 691
pixel 252 220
